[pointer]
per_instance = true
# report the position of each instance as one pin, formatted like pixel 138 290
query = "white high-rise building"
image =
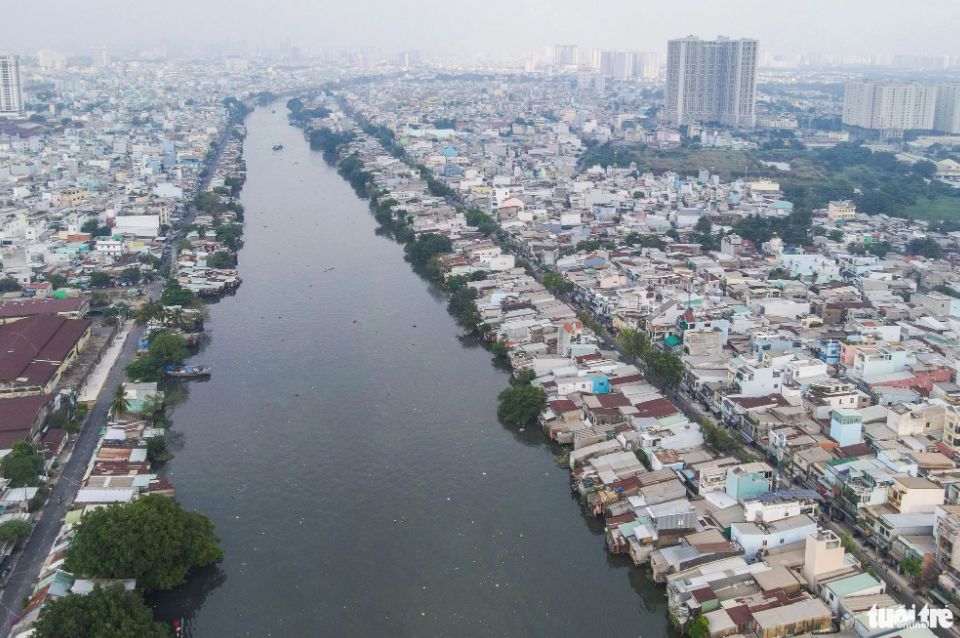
pixel 711 81
pixel 947 114
pixel 647 66
pixel 236 64
pixel 11 88
pixel 564 54
pixel 596 55
pixel 889 106
pixel 101 56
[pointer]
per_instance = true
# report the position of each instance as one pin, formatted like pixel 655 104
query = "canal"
pixel 347 447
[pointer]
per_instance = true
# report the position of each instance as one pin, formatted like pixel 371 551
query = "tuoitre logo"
pixel 903 617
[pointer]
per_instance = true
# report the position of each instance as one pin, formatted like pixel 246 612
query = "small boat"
pixel 187 371
pixel 273 111
pixel 278 147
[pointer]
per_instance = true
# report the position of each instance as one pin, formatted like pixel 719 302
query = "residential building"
pixel 101 56
pixel 11 87
pixel 889 106
pixel 711 81
pixel 846 426
pixel 841 211
pixel 748 480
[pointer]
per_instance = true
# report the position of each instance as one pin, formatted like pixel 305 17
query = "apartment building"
pixel 11 87
pixel 885 106
pixel 711 81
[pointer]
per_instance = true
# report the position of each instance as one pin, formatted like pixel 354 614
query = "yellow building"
pixel 841 211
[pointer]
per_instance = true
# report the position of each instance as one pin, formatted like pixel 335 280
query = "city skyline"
pixel 925 30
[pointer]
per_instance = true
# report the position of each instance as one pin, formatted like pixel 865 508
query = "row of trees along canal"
pixel 153 539
pixel 521 402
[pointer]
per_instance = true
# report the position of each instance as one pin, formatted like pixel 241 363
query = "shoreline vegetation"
pixel 152 541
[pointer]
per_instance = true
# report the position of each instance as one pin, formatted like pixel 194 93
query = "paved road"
pixel 21 582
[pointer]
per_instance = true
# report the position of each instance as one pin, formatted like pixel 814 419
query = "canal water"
pixel 347 447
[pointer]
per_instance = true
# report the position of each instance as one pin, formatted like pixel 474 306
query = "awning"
pixel 939 596
pixel 746 437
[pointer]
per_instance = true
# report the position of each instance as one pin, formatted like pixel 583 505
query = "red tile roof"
pixel 31 306
pixel 34 347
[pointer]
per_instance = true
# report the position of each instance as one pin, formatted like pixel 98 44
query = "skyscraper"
pixel 564 54
pixel 11 89
pixel 711 81
pixel 947 115
pixel 101 56
pixel 890 106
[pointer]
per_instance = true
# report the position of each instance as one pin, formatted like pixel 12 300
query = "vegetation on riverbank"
pixel 153 539
pixel 107 612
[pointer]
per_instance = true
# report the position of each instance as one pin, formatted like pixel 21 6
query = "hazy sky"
pixel 830 26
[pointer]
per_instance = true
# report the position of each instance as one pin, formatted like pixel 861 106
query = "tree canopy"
pixel 152 539
pixel 22 466
pixel 14 529
pixel 426 246
pixel 111 612
pixel 520 404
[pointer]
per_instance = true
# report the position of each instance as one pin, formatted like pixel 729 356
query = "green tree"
pixel 22 466
pixel 663 368
pixel 633 342
pixel 56 280
pixel 704 226
pixel 15 529
pixel 558 283
pixel 229 235
pixel 295 105
pixel 157 448
pixel 142 369
pixel 176 295
pixel 222 259
pixel 426 246
pixel 699 627
pixel 90 227
pixel 99 278
pixel 925 247
pixel 152 539
pixel 835 235
pixel 880 249
pixel 111 612
pixel 483 222
pixel 912 565
pixel 131 274
pixel 168 349
pixel 118 402
pixel 9 284
pixel 519 404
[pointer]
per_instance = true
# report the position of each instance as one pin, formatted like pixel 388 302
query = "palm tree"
pixel 177 318
pixel 118 403
pixel 148 311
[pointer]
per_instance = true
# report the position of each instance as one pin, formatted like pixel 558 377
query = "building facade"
pixel 711 81
pixel 11 87
pixel 889 106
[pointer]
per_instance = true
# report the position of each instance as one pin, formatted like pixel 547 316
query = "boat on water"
pixel 187 371
pixel 278 147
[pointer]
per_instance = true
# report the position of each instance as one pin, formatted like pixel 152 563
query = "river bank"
pixel 356 400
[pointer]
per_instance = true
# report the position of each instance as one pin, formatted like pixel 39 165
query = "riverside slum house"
pixel 785 364
pixel 118 473
pixel 98 194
